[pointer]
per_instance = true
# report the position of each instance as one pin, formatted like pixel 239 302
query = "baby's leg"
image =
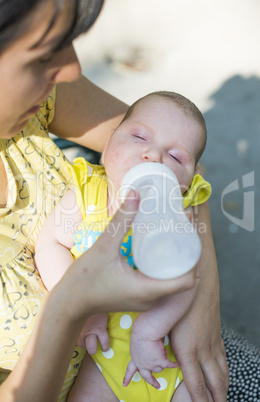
pixel 90 385
pixel 181 394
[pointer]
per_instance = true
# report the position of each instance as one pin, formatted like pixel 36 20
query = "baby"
pixel 162 127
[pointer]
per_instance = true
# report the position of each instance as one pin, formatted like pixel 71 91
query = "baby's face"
pixel 156 131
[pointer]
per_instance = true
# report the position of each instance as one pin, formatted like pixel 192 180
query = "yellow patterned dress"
pixel 37 179
pixel 91 192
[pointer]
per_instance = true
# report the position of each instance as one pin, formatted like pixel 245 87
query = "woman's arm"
pixel 98 281
pixel 196 339
pixel 86 114
pixel 41 369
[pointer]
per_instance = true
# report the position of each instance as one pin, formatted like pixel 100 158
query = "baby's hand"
pixel 147 356
pixel 94 329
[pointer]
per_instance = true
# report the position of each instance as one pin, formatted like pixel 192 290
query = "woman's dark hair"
pixel 14 18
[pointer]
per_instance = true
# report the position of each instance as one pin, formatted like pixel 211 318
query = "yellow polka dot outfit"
pixel 37 179
pixel 91 192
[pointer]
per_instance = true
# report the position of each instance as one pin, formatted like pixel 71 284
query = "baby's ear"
pixel 104 151
pixel 102 157
pixel 198 169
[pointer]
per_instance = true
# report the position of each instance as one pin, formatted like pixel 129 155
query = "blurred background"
pixel 209 52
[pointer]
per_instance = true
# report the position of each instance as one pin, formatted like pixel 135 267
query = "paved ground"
pixel 209 52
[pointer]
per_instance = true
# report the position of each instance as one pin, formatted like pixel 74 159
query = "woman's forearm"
pixel 86 114
pixel 207 266
pixel 42 366
pixel 196 339
pixel 98 281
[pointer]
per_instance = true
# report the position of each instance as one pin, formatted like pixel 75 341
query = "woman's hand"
pixel 101 280
pixel 196 339
pixel 199 349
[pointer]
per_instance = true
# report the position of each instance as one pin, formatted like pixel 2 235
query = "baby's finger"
pixel 130 371
pixel 148 377
pixel 165 363
pixel 104 340
pixel 171 364
pixel 168 364
pixel 91 343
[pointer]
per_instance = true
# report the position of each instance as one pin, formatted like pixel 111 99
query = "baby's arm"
pixel 52 250
pixel 149 329
pixel 53 258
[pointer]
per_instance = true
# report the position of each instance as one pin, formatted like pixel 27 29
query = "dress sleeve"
pixel 79 171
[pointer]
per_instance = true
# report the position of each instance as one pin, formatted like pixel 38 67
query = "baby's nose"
pixel 152 155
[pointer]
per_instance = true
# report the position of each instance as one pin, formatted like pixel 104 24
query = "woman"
pixel 36 54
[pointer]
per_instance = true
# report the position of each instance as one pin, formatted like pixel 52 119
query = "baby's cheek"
pixel 185 180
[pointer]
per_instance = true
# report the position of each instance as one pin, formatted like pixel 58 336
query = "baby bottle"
pixel 164 242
